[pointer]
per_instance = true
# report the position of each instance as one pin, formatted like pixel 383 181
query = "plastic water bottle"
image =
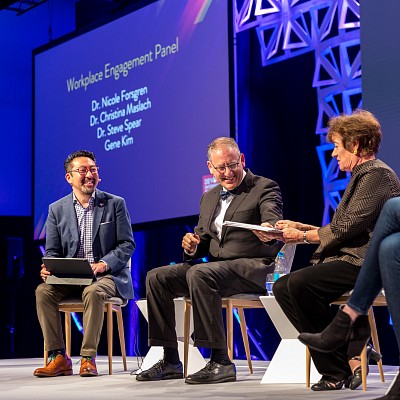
pixel 280 270
pixel 269 283
pixel 280 266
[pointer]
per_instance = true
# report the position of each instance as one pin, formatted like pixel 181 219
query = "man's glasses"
pixel 222 169
pixel 85 170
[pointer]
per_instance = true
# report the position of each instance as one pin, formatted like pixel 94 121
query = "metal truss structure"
pixel 330 29
pixel 20 7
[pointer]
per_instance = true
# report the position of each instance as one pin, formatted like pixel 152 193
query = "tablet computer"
pixel 68 271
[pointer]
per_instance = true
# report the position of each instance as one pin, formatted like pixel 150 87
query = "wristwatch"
pixel 107 267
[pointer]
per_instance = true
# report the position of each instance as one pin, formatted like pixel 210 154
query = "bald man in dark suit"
pixel 237 262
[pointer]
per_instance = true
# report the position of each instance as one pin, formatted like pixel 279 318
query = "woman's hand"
pixel 292 236
pixel 287 223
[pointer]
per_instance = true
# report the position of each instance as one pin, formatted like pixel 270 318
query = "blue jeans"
pixel 381 267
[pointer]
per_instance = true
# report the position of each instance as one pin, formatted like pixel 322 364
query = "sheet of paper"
pixel 251 227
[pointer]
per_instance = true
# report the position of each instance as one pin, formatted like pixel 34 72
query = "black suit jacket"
pixel 258 200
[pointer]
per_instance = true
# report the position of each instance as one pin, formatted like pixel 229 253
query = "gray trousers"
pixel 93 297
pixel 205 284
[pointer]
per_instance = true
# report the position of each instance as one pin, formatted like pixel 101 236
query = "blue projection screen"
pixel 146 93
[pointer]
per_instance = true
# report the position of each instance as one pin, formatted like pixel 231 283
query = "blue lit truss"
pixel 330 29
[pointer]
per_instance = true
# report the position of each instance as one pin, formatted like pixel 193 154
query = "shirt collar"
pixel 91 200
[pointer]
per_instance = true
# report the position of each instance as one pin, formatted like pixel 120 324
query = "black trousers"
pixel 205 284
pixel 305 296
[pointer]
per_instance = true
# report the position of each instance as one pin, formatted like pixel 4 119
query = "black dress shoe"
pixel 160 371
pixel 213 373
pixel 325 384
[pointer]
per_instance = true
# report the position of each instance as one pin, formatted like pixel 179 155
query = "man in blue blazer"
pixel 237 263
pixel 92 224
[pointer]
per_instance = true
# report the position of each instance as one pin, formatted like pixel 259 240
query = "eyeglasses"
pixel 232 166
pixel 85 170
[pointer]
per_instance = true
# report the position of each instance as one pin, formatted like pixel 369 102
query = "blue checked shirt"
pixel 85 224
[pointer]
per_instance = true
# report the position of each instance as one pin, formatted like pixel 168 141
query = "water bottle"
pixel 269 283
pixel 280 266
pixel 280 270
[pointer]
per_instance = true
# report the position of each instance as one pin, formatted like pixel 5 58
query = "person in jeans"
pixel 381 269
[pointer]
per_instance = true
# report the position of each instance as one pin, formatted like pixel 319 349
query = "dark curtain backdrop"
pixel 277 113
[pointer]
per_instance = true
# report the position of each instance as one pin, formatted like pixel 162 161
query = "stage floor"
pixel 18 383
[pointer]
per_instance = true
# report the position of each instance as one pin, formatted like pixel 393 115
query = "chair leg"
pixel 364 368
pixel 109 336
pixel 229 328
pixel 308 367
pixel 375 341
pixel 68 332
pixel 186 328
pixel 45 355
pixel 243 328
pixel 120 324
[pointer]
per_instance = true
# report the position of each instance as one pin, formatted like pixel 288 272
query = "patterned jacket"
pixel 347 237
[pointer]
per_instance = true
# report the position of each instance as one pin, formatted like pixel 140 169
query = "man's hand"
pixel 267 236
pixel 44 273
pixel 98 268
pixel 190 242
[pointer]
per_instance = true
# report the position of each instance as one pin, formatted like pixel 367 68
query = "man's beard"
pixel 87 191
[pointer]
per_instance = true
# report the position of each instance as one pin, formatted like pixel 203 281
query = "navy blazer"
pixel 112 235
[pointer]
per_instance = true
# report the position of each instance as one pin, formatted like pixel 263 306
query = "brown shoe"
pixel 88 366
pixel 56 366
